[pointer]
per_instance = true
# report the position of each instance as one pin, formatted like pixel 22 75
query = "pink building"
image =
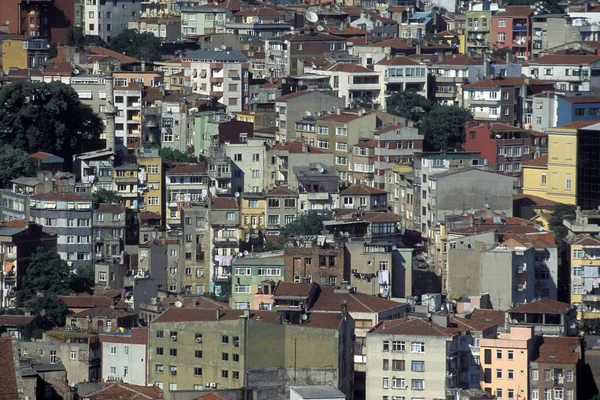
pixel 511 28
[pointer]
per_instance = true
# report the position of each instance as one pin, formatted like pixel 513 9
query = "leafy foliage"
pixel 305 224
pixel 105 196
pixel 37 116
pixel 75 37
pixel 143 46
pixel 13 164
pixel 172 155
pixel 501 53
pixel 444 127
pixel 53 51
pixel 556 221
pixel 409 104
pixel 46 272
pixel 84 280
pixel 50 307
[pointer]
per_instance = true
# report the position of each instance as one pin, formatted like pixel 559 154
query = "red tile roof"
pixel 281 191
pixel 400 8
pixel 184 169
pixel 411 326
pixel 40 155
pixel 214 396
pixel 367 143
pixel 87 301
pixel 563 59
pixel 542 306
pixel 294 95
pixel 12 320
pixel 67 196
pixel 112 54
pixel 8 375
pixel 349 30
pixel 460 60
pixel 126 391
pixel 349 68
pixel 359 189
pixel 16 223
pixel 578 124
pixel 514 12
pixel 586 240
pixel 295 147
pixel 495 317
pixel 541 161
pixel 148 216
pixel 102 312
pixel 531 200
pixel 328 300
pixel 294 289
pixel 113 208
pixel 223 203
pixel 559 350
pixel 313 37
pixel 259 11
pixel 398 60
pixel 582 99
pixel 495 83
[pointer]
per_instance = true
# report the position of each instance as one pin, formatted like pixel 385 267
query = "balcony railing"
pixel 519 27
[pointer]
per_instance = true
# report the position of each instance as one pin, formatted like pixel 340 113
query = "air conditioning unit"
pixel 198 340
pixel 213 384
pixel 174 338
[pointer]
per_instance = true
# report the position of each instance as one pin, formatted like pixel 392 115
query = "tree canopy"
pixel 13 164
pixel 105 196
pixel 305 224
pixel 409 104
pixel 443 127
pixel 47 273
pixel 38 116
pixel 556 221
pixel 75 37
pixel 84 280
pixel 143 46
pixel 172 155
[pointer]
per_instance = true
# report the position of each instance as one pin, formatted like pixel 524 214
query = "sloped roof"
pixel 564 59
pixel 8 376
pixel 223 203
pixel 328 300
pixel 87 301
pixel 398 60
pixel 411 326
pixel 542 306
pixel 102 312
pixel 586 240
pixel 126 391
pixel 295 147
pixel 184 169
pixel 349 68
pixel 113 208
pixel 12 320
pixel 258 11
pixel 295 94
pixel 515 12
pixel 359 189
pixel 531 200
pixel 578 124
pixel 541 161
pixel 581 99
pixel 495 317
pixel 559 350
pixel 281 191
pixel 510 81
pixel 112 54
pixel 293 289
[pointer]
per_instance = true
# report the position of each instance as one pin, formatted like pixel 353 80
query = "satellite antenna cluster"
pixel 313 18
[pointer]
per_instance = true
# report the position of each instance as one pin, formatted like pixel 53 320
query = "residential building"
pixel 395 144
pixel 505 147
pixel 78 352
pixel 505 362
pixel 24 52
pixel 196 248
pixel 105 20
pixel 478 27
pixel 380 27
pixel 568 73
pixel 263 22
pixel 95 169
pixel 577 108
pixel 416 358
pixel 167 28
pixel 69 216
pixel 186 184
pixel 292 108
pixel 556 368
pixel 220 170
pixel 126 183
pixel 364 198
pixel 583 255
pixel 511 29
pixel 121 390
pixel 285 158
pixel 361 162
pixel 548 317
pixel 192 347
pixel 252 218
pixel 308 261
pixel 47 162
pixel 43 19
pixel 15 200
pixel 449 75
pixel 318 188
pixel 282 209
pixel 203 19
pixel 109 222
pixel 364 225
pixel 402 73
pixel 151 180
pixel 254 276
pixel 18 241
pixel 551 30
pixel 495 99
pixel 105 319
pixel 224 219
pixel 285 55
pixel 125 356
pixel 248 162
pixel 128 119
pixel 221 74
pixel 400 190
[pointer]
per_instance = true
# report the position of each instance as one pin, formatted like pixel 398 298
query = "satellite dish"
pixel 178 304
pixel 346 234
pixel 72 384
pixel 245 252
pixel 223 47
pixel 318 167
pixel 311 17
pixel 240 254
pixel 291 29
pixel 321 169
pixel 307 113
pixel 304 317
pixel 320 28
pixel 153 301
pixel 237 194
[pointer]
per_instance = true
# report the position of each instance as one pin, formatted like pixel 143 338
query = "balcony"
pixel 519 27
pixel 521 287
pixel 226 241
pixel 478 43
pixel 317 196
pixel 521 269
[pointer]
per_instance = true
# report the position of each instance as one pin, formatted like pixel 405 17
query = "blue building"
pixel 577 108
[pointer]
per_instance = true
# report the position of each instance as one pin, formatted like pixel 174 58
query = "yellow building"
pixel 554 176
pixel 23 52
pixel 252 212
pixel 246 117
pixel 585 260
pixel 454 38
pixel 151 163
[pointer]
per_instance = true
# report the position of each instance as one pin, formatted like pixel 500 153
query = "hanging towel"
pixel 383 277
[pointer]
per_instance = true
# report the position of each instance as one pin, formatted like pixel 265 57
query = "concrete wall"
pixel 464 264
pixel 133 360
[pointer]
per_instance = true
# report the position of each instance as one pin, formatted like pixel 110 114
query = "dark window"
pixel 159 351
pixel 197 371
pixel 173 352
pixel 225 356
pixel 487 356
pixel 198 353
pixel 224 373
pixel 488 375
pixel 579 112
pixel 225 339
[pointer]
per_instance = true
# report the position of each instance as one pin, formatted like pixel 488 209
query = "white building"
pixel 573 73
pixel 248 164
pixel 105 19
pixel 402 73
pixel 124 356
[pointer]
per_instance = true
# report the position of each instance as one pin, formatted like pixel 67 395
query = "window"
pixel 418 347
pixel 224 373
pixel 236 357
pixel 341 131
pixel 547 394
pixel 225 339
pixel 323 144
pixel 73 355
pixel 235 374
pixel 230 216
pixel 499 393
pixel 126 350
pixel 498 374
pixel 417 366
pixel 159 351
pixel 501 23
pixel 498 354
pixel 398 345
pixel 511 374
pixel 172 386
pixel 159 368
pixel 510 355
pixel 386 383
pixel 197 371
pixel 544 178
pixel 579 112
pixel 547 71
pixel 558 393
pixel 417 384
pixel 568 184
pixel 386 364
pixel 501 36
pixel 173 352
pixel 225 356
pixel 197 353
pixel 535 394
pixel 386 345
pixel 113 350
pixel 547 375
pixel 323 130
pixel 53 357
pixel 398 365
pixel 534 374
pixel 569 375
pixel 569 394
pixel 113 370
pixel 398 383
pixel 594 111
pixel 511 393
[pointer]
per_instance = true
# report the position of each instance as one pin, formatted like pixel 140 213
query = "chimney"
pixel 143 66
pixel 218 312
pixel 418 48
pixel 344 309
pixel 486 67
pixel 338 110
pixel 440 56
pixel 508 57
pixel 110 113
pixel 247 314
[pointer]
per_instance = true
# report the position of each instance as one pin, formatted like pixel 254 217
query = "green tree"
pixel 556 221
pixel 105 196
pixel 172 155
pixel 53 51
pixel 45 273
pixel 143 46
pixel 444 127
pixel 502 53
pixel 75 37
pixel 84 280
pixel 305 224
pixel 37 116
pixel 409 104
pixel 13 164
pixel 53 309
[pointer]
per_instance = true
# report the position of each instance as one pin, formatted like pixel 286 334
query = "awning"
pixel 233 74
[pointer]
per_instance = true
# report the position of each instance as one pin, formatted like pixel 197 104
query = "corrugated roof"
pixel 185 169
pixel 398 60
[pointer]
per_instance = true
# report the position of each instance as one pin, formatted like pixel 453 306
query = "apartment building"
pixel 109 223
pixel 358 85
pixel 222 74
pixel 18 241
pixel 196 248
pixel 264 22
pixel 128 120
pixel 107 19
pixel 125 356
pixel 282 209
pixel 24 52
pixel 551 30
pixel 568 73
pixel 584 253
pixel 195 348
pixel 254 276
pixel 285 55
pixel 505 362
pixel 478 27
pixel 395 144
pixel 186 184
pixel 252 218
pixel 248 162
pixel 309 261
pixel 68 215
pixel 293 107
pixel 151 180
pixel 449 75
pixel 511 29
pixel 401 73
pixel 126 180
pixel 318 188
pixel 224 222
pixel 361 162
pixel 548 317
pixel 203 19
pixel 400 186
pixel 166 28
pixel 364 198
